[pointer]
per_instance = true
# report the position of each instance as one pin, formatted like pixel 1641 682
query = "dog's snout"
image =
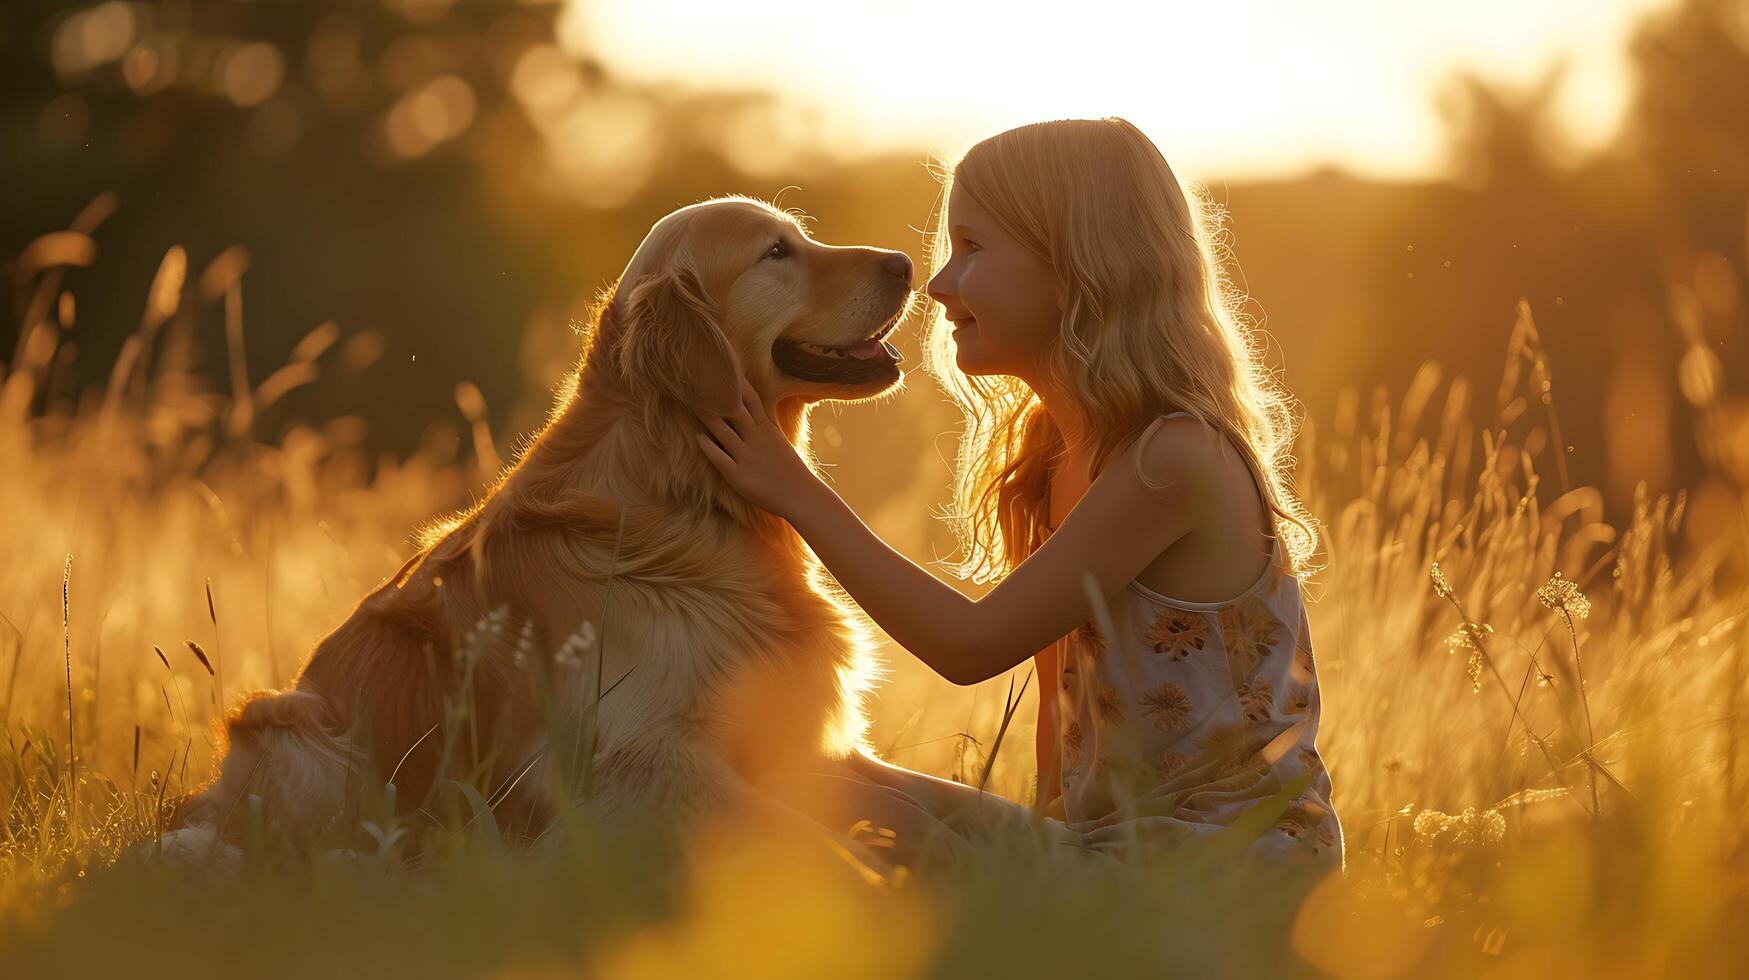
pixel 899 264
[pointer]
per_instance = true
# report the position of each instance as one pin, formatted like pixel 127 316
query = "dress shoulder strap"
pixel 1147 434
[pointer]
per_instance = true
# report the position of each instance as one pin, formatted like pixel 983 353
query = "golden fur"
pixel 727 656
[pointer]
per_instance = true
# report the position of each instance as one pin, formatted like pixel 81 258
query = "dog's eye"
pixel 777 250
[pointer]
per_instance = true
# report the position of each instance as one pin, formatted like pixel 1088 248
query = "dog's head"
pixel 735 287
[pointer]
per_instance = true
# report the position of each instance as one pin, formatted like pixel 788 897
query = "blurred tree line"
pixel 452 180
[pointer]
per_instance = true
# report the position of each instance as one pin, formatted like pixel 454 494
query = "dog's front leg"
pixel 663 773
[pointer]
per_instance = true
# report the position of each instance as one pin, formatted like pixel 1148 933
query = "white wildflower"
pixel 1467 638
pixel 1559 594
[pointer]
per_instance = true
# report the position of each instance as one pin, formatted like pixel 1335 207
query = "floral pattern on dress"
pixel 1231 746
pixel 1167 765
pixel 1295 821
pixel 1110 707
pixel 1163 730
pixel 1307 815
pixel 1177 633
pixel 1089 632
pixel 1239 773
pixel 1088 640
pixel 1298 700
pixel 1249 632
pixel 1256 698
pixel 1167 706
pixel 1072 743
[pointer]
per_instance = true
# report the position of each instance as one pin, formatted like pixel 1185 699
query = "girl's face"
pixel 1001 298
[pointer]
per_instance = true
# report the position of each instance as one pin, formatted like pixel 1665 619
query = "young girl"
pixel 1121 475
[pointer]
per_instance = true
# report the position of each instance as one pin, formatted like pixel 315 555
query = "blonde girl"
pixel 1122 480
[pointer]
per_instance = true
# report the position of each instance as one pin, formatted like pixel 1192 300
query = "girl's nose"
pixel 941 289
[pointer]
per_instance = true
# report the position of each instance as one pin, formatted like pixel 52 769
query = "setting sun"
pixel 1241 89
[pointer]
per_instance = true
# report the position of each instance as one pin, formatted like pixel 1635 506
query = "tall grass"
pixel 1532 715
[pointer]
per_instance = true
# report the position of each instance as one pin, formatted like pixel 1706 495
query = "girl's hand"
pixel 756 457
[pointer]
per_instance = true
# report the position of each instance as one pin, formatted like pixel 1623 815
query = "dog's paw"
pixel 196 847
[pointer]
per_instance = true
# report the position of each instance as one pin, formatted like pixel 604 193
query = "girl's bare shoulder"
pixel 1182 455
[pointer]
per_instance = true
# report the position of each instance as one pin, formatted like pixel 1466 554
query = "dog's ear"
pixel 672 343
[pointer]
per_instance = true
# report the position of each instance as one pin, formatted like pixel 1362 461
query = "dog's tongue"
pixel 865 349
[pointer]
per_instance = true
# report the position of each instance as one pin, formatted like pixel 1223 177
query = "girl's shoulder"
pixel 1174 447
pixel 1213 477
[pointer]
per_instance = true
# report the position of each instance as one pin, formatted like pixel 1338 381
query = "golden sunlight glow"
pixel 1241 89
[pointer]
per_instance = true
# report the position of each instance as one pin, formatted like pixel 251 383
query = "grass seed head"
pixel 200 655
pixel 1441 586
pixel 1559 594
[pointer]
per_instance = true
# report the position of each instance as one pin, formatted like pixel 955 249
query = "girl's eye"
pixel 777 250
pixel 972 246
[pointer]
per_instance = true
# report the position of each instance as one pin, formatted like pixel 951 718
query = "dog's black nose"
pixel 899 264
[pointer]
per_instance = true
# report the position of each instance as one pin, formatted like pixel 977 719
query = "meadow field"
pixel 1533 716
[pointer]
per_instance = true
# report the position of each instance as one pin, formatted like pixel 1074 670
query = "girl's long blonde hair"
pixel 1151 326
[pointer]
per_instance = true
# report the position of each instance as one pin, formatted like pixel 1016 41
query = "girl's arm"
pixel 1115 531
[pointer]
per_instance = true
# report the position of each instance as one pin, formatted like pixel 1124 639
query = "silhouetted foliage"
pixel 450 174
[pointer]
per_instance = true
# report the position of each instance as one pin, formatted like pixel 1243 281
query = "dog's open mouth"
pixel 864 362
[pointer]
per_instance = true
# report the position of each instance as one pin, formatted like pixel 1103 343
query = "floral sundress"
pixel 1194 714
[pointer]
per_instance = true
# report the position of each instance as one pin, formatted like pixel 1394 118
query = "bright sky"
pixel 1239 88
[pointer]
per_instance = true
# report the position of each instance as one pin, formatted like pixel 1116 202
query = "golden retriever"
pixel 720 654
